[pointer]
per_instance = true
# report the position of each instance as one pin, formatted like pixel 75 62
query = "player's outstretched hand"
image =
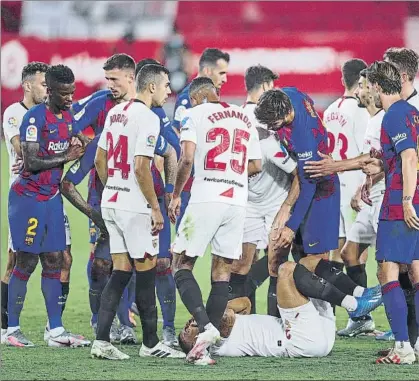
pixel 286 236
pixel 366 190
pixel 356 203
pixel 372 166
pixel 410 216
pixel 280 220
pixel 74 152
pixel 174 209
pixel 156 220
pixel 320 168
pixel 17 166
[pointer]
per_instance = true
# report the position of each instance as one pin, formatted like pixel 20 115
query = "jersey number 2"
pixel 238 147
pixel 344 144
pixel 119 155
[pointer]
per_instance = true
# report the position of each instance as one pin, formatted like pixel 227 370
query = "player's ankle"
pixel 349 303
pixel 11 330
pixel 358 291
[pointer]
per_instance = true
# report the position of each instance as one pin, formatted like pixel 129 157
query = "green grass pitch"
pixel 350 358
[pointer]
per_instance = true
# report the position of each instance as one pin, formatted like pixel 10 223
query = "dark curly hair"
pixel 59 74
pixel 256 76
pixel 273 105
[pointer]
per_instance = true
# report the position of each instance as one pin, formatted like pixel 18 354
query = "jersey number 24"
pixel 118 156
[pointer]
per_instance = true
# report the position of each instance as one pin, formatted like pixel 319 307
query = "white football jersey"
pixel 250 109
pixel 12 119
pixel 254 335
pixel 372 140
pixel 131 129
pixel 346 124
pixel 272 184
pixel 225 141
pixel 414 99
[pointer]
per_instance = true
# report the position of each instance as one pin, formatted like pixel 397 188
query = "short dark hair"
pixel 351 70
pixel 256 76
pixel 273 105
pixel 210 56
pixel 385 75
pixel 199 83
pixel 406 60
pixel 119 61
pixel 148 74
pixel 32 68
pixel 59 74
pixel 146 61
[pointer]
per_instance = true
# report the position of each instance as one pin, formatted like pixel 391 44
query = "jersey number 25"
pixel 237 147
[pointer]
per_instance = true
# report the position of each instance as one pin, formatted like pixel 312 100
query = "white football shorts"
pixel 215 223
pixel 130 233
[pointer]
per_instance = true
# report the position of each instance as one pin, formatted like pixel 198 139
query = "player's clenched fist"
pixel 174 209
pixel 74 152
pixel 156 220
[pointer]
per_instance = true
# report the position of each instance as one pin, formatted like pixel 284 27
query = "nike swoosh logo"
pixel 52 131
pixel 312 244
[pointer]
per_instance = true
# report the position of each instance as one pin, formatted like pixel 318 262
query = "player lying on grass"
pixel 307 327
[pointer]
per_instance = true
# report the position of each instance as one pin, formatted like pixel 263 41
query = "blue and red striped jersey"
pixel 400 130
pixel 303 138
pixel 53 134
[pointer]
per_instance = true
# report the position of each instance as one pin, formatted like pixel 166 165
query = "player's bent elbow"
pixel 254 167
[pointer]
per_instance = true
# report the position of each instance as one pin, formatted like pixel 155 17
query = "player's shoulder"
pixel 15 109
pixel 36 111
pixel 182 99
pixel 333 106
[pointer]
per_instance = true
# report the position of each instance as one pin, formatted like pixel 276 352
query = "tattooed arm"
pixel 34 163
pixel 70 192
pixel 170 165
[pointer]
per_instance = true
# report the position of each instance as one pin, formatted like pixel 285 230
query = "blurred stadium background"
pixel 305 42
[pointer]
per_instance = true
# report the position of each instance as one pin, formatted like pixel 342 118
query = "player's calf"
pixel 25 266
pixel 65 276
pixel 11 261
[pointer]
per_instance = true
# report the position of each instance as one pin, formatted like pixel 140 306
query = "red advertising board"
pixel 309 61
pixel 84 57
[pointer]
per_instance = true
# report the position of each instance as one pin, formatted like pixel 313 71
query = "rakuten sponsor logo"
pixel 58 147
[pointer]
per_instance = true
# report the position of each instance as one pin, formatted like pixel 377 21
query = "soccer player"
pixel 406 60
pixel 346 124
pixel 213 64
pixel 268 190
pixel 291 113
pixel 364 229
pixel 36 215
pixel 397 236
pixel 34 92
pixel 123 160
pixel 119 71
pixel 220 141
pixel 307 328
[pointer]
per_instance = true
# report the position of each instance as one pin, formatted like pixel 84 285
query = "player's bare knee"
pixel 52 261
pixel 27 261
pixel 101 268
pixel 163 264
pixel 67 259
pixel 240 267
pixel 122 262
pixel 145 264
pixel 286 270
pixel 182 262
pixel 310 262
